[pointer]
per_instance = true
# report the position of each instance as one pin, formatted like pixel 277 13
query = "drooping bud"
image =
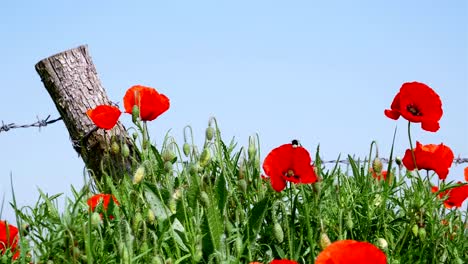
pixel 377 165
pixel 125 150
pixel 324 241
pixel 205 199
pixel 398 161
pixel 415 230
pixel 115 148
pixel 135 113
pixel 349 221
pixel 422 233
pixel 209 133
pixel 95 219
pixel 139 175
pixel 186 149
pixel 134 135
pixel 382 243
pixel 205 157
pixel 168 155
pixel 278 232
pixel 150 216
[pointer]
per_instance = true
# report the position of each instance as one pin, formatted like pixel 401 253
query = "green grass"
pixel 212 206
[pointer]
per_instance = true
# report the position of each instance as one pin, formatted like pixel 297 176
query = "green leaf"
pixel 221 193
pixel 212 229
pixel 159 208
pixel 257 214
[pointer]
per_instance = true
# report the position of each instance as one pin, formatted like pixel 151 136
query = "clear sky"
pixel 319 71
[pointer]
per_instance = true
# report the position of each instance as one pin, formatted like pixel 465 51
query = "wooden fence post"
pixel 72 82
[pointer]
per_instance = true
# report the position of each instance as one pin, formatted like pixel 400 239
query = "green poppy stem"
pixel 412 149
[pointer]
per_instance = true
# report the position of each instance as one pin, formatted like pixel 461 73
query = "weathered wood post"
pixel 72 82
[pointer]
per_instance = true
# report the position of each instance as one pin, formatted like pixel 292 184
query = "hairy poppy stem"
pixel 412 149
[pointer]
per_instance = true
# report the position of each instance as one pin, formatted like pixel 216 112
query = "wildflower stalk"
pixel 412 149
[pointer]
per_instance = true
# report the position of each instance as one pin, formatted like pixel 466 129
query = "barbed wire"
pixel 457 160
pixel 44 122
pixel 39 123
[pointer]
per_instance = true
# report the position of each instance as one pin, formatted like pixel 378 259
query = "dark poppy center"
pixel 290 173
pixel 413 110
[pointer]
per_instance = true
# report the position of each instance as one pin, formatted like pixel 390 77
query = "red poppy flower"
pixel 466 174
pixel 150 103
pixel 289 162
pixel 455 196
pixel 283 261
pixel 95 200
pixel 104 116
pixel 438 158
pixel 379 176
pixel 9 239
pixel 351 251
pixel 417 103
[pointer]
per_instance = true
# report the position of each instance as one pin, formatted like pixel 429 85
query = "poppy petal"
pixel 104 116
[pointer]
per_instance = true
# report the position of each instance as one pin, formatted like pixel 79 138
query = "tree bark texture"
pixel 72 82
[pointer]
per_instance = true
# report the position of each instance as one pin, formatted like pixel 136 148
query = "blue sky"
pixel 319 71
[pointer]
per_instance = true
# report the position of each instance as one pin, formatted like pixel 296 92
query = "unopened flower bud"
pixel 415 230
pixel 135 113
pixel 137 219
pixel 377 165
pixel 243 185
pixel 168 166
pixel 382 243
pixel 209 133
pixel 398 161
pixel 186 149
pixel 251 151
pixel 139 175
pixel 168 155
pixel 134 135
pixel 95 219
pixel 422 233
pixel 205 157
pixel 324 240
pixel 125 150
pixel 150 216
pixel 349 221
pixel 278 232
pixel 205 199
pixel 115 148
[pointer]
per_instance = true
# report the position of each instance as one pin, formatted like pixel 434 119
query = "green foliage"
pixel 194 209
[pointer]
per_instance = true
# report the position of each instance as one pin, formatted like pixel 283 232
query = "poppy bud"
pixel 168 155
pixel 349 221
pixel 377 165
pixel 168 166
pixel 150 216
pixel 278 232
pixel 243 185
pixel 186 149
pixel 324 240
pixel 205 199
pixel 205 157
pixel 415 230
pixel 95 219
pixel 125 150
pixel 135 113
pixel 135 135
pixel 209 133
pixel 137 219
pixel 115 147
pixel 383 244
pixel 173 206
pixel 251 151
pixel 139 175
pixel 398 161
pixel 157 260
pixel 422 233
pixel 239 244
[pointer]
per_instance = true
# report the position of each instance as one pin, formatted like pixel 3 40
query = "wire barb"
pixel 39 123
